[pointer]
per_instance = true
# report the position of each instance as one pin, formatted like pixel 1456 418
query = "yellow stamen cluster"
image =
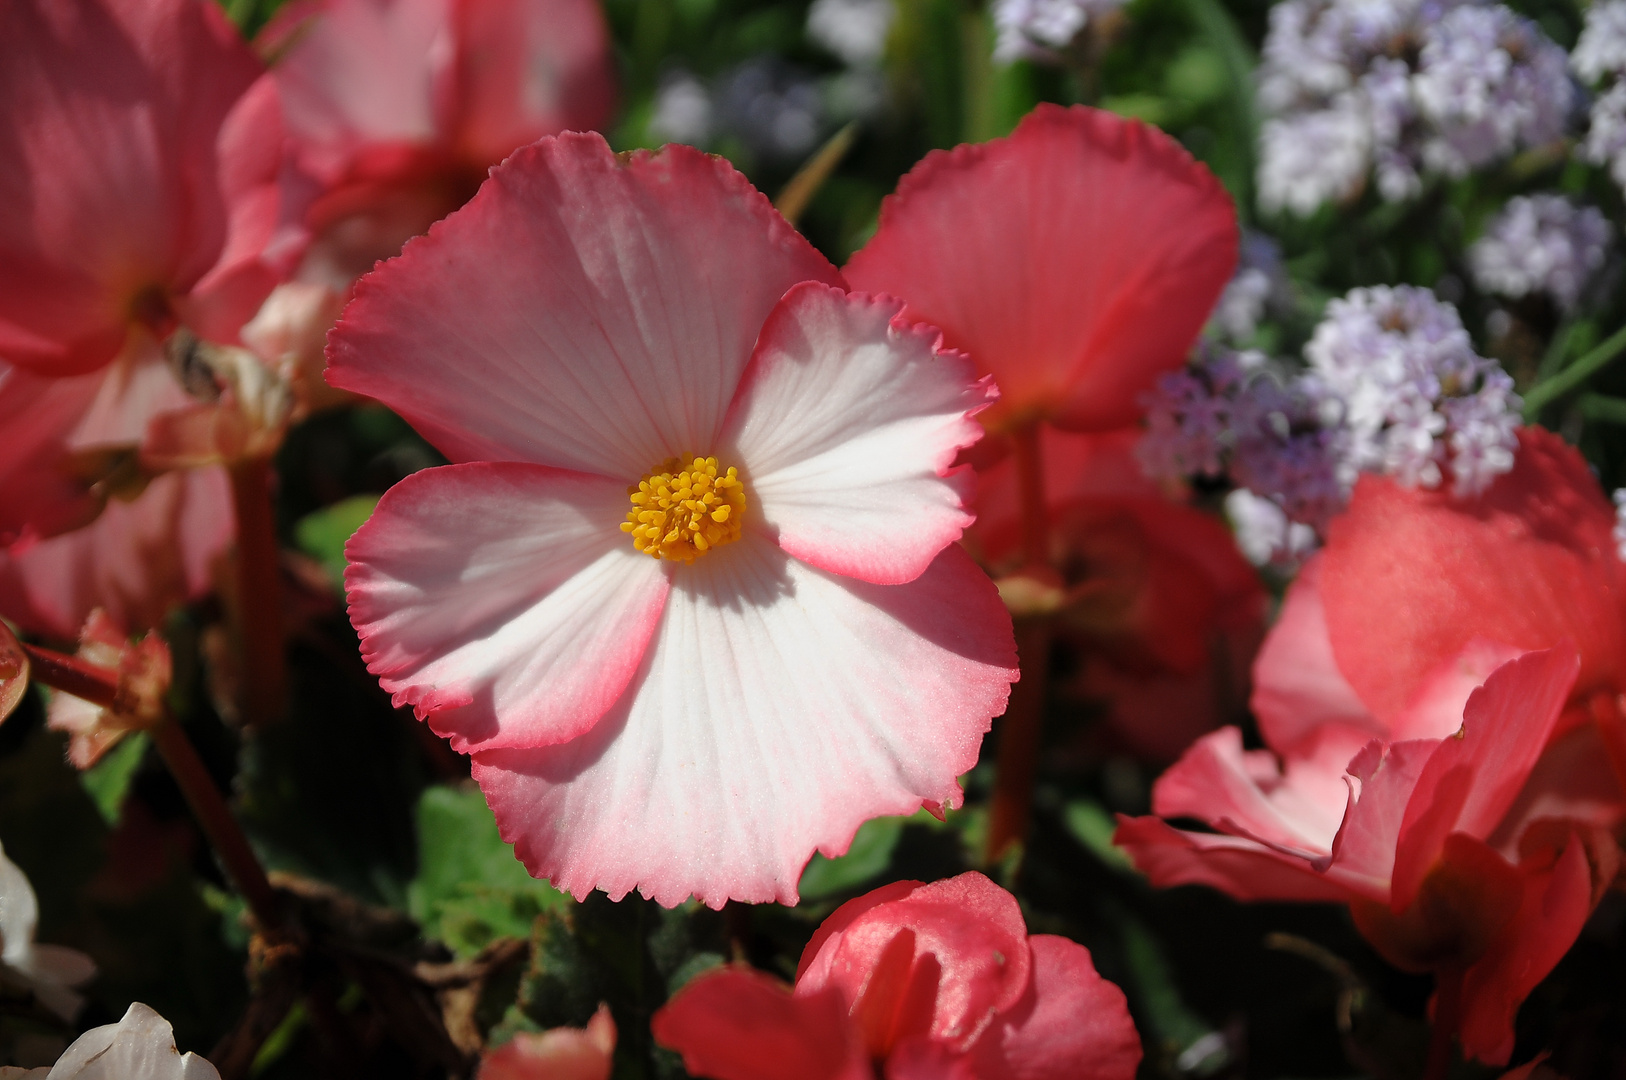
pixel 683 511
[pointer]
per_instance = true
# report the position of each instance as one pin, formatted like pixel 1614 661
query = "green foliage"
pixel 470 889
pixel 108 781
pixel 322 534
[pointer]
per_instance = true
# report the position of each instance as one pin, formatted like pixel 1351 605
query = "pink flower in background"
pixel 144 672
pixel 636 357
pixel 1153 594
pixel 396 108
pixel 139 158
pixel 1430 833
pixel 1075 260
pixel 557 1054
pixel 911 980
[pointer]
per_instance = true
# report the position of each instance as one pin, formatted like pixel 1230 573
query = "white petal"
pixel 503 601
pixel 847 424
pixel 779 707
pixel 139 1047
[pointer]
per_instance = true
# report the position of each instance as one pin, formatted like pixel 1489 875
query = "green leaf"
pixel 869 854
pixel 1093 827
pixel 109 779
pixel 322 535
pixel 470 889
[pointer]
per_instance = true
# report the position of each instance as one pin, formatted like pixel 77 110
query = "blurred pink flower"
pixel 912 982
pixel 139 162
pixel 603 344
pixel 556 1054
pixel 397 108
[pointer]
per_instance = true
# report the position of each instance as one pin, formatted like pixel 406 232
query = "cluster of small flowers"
pixel 770 107
pixel 1259 285
pixel 1035 29
pixel 1541 244
pixel 1393 386
pixel 1416 397
pixel 1399 88
pixel 1599 60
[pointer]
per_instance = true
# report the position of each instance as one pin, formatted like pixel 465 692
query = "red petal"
pixel 1070 1025
pixel 1076 260
pixel 1409 577
pixel 739 1024
pixel 1472 779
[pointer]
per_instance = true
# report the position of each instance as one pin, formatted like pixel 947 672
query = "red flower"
pixel 1433 840
pixel 912 981
pixel 138 165
pixel 1075 260
pixel 397 108
pixel 1152 594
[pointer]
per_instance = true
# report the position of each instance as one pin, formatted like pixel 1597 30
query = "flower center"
pixel 681 511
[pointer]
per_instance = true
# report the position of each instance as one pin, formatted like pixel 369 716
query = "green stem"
pixel 1550 390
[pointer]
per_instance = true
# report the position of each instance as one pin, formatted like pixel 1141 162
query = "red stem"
pixel 72 675
pixel 100 686
pixel 1023 725
pixel 1447 1019
pixel 1030 488
pixel 217 822
pixel 264 669
pixel 1019 737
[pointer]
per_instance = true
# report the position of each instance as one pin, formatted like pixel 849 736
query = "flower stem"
pixel 1023 723
pixel 1447 1018
pixel 1019 738
pixel 217 822
pixel 1548 390
pixel 264 672
pixel 71 675
pixel 100 686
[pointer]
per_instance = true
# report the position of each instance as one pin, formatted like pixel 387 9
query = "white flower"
pixel 854 30
pixel 1541 244
pixel 1263 530
pixel 1034 28
pixel 1601 50
pixel 683 110
pixel 49 972
pixel 139 1047
pixel 1310 158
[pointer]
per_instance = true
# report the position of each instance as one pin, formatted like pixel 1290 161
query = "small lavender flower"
pixel 1541 244
pixel 1417 398
pixel 1601 50
pixel 1263 531
pixel 1488 82
pixel 1310 158
pixel 1606 133
pixel 1258 285
pixel 1397 89
pixel 770 106
pixel 1034 29
pixel 854 30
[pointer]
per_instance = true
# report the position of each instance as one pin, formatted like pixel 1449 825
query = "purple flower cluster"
pixel 1395 89
pixel 1417 400
pixel 1259 285
pixel 1541 244
pixel 1392 386
pixel 1600 60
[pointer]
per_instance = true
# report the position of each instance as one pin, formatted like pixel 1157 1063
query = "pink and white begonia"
pixel 607 344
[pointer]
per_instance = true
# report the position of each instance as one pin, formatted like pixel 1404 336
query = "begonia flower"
pixel 141 1046
pixel 557 1054
pixel 140 159
pixel 1427 834
pixel 1075 260
pixel 1364 634
pixel 143 671
pixel 1153 595
pixel 397 108
pixel 49 972
pixel 689 592
pixel 911 981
